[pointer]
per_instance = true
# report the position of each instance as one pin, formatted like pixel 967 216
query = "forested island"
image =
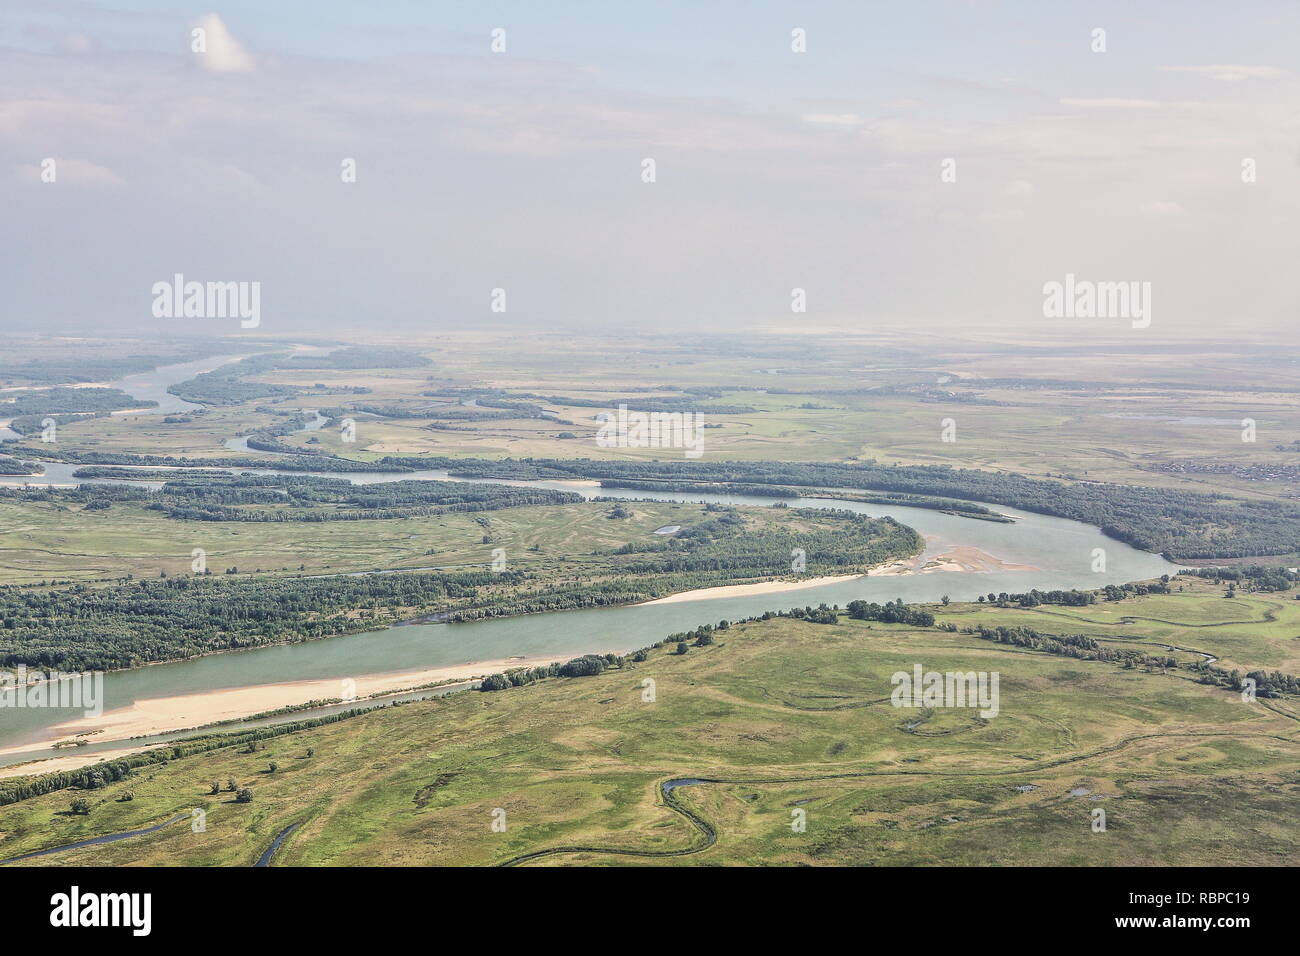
pixel 1183 525
pixel 89 366
pixel 299 461
pixel 951 506
pixel 16 466
pixel 219 497
pixel 130 622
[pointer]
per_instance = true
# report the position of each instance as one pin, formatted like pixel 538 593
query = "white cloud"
pixel 222 53
pixel 1160 208
pixel 77 43
pixel 1112 103
pixel 71 172
pixel 833 119
pixel 1002 215
pixel 530 160
pixel 1230 74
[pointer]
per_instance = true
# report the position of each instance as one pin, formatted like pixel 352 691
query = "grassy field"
pixel 47 540
pixel 1258 631
pixel 783 716
pixel 44 540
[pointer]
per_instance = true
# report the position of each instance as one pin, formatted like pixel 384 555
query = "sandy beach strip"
pixel 748 590
pixel 70 761
pixel 961 559
pixel 161 715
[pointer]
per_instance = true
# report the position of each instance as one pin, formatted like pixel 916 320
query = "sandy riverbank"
pixel 161 715
pixel 70 761
pixel 962 559
pixel 749 590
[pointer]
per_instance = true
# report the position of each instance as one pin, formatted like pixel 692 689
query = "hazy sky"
pixel 775 169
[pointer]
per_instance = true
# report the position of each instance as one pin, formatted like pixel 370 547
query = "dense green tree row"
pixel 48 401
pixel 660 403
pixel 461 413
pixel 26 425
pixel 92 367
pixel 118 626
pixel 579 596
pixel 702 487
pixel 391 409
pixel 301 461
pixel 99 775
pixel 890 613
pixel 17 466
pixel 724 542
pixel 1035 597
pixel 121 473
pixel 1267 683
pixel 1075 645
pixel 102 628
pixel 31 410
pixel 226 385
pixel 1256 576
pixel 360 356
pixel 946 505
pixel 313 498
pixel 720 550
pixel 586 666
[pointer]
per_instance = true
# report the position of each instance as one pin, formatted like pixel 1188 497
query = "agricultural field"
pixel 775 716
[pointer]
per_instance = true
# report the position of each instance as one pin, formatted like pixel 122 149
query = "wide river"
pixel 1062 552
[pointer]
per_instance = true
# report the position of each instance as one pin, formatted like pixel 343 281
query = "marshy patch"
pixel 424 794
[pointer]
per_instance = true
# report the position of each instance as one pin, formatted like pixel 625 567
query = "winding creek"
pixel 1061 551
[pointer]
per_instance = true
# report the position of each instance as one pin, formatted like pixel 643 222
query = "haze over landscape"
pixel 774 169
pixel 704 435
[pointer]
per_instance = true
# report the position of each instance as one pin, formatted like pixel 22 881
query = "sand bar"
pixel 748 590
pixel 962 559
pixel 161 715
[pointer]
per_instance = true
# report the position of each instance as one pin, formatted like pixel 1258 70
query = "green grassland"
pixel 1257 631
pixel 201 437
pixel 40 541
pixel 781 715
pixel 45 540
